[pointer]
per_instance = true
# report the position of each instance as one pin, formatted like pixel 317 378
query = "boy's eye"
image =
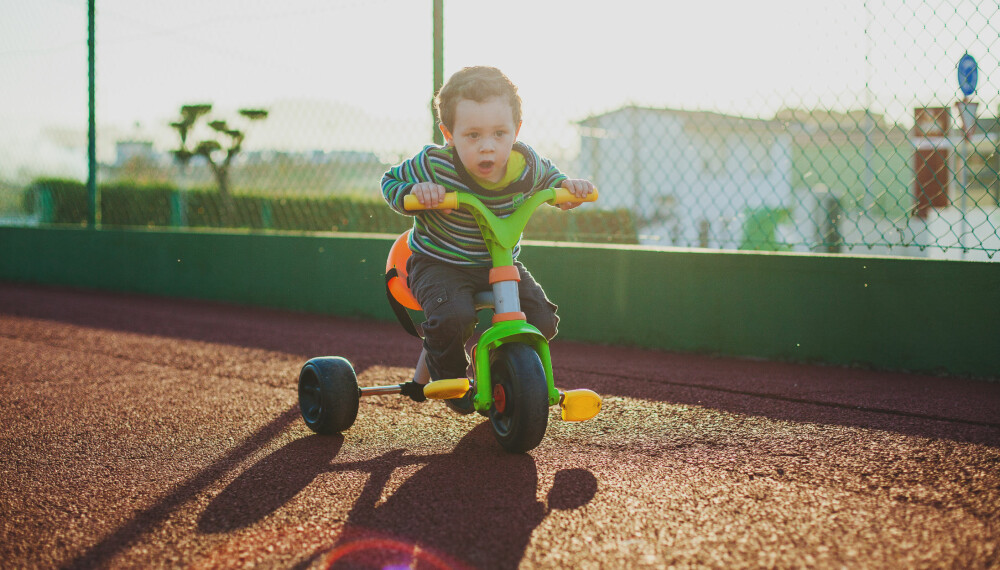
pixel 500 134
pixel 473 135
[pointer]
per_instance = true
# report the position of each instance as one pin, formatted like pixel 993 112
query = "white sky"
pixel 570 58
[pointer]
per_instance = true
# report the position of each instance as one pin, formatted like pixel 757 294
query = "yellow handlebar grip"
pixel 563 195
pixel 410 202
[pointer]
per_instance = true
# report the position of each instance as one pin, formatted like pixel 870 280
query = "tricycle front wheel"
pixel 520 410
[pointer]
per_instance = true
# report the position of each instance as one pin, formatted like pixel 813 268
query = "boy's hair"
pixel 478 84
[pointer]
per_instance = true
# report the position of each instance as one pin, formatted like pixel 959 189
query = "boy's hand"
pixel 579 187
pixel 430 194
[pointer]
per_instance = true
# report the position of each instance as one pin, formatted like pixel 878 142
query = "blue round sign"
pixel 968 74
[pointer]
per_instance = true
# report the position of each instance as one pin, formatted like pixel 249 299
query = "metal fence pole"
pixel 438 65
pixel 93 199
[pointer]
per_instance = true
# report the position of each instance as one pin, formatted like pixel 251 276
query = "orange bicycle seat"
pixel 398 255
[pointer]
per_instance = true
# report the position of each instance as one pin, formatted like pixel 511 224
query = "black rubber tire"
pixel 328 394
pixel 517 368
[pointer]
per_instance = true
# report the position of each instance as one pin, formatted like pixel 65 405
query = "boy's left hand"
pixel 579 187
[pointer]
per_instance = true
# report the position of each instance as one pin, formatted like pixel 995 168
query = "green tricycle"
pixel 512 382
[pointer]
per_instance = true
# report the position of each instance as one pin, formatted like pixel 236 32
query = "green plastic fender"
pixel 497 335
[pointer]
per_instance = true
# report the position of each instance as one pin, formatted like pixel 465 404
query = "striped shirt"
pixel 455 237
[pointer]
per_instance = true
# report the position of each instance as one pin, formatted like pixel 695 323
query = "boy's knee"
pixel 547 324
pixel 448 323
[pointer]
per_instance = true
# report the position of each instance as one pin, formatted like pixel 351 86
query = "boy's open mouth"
pixel 486 166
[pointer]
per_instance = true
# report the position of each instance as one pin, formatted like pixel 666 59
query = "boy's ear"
pixel 518 129
pixel 445 132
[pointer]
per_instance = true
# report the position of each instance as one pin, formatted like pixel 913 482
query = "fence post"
pixel 44 207
pixel 438 65
pixel 178 209
pixel 93 194
pixel 266 214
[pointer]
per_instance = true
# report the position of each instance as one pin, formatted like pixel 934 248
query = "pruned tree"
pixel 220 148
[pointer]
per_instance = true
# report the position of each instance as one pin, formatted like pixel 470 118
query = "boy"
pixel 480 116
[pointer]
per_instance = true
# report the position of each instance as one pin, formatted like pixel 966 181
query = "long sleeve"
pixel 547 175
pixel 398 180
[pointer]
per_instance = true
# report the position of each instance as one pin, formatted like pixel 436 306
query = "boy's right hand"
pixel 430 194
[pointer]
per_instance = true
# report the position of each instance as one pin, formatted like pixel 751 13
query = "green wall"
pixel 888 313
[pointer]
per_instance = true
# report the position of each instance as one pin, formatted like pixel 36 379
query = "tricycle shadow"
pixel 475 506
pixel 269 484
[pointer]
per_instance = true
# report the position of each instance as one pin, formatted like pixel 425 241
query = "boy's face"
pixel 483 136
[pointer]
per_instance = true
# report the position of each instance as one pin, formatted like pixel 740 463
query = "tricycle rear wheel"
pixel 520 410
pixel 328 394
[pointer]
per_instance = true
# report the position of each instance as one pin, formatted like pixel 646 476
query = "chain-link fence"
pixel 775 125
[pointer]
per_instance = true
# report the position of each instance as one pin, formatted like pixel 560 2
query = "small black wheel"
pixel 328 394
pixel 520 411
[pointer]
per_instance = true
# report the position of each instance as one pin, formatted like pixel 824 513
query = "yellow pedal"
pixel 445 389
pixel 579 405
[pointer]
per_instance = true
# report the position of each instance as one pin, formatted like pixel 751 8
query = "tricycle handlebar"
pixel 563 196
pixel 410 202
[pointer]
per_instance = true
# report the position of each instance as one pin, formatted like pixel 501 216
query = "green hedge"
pixel 122 205
pixel 584 224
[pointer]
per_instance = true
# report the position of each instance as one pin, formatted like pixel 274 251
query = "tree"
pixel 218 155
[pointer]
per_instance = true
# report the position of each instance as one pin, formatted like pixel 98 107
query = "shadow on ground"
pixel 475 506
pixel 144 521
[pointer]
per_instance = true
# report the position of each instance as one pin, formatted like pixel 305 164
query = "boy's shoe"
pixel 462 405
pixel 414 390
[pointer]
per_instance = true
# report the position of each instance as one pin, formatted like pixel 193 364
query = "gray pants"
pixel 445 292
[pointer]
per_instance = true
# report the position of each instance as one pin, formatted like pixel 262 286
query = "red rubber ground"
pixel 140 432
